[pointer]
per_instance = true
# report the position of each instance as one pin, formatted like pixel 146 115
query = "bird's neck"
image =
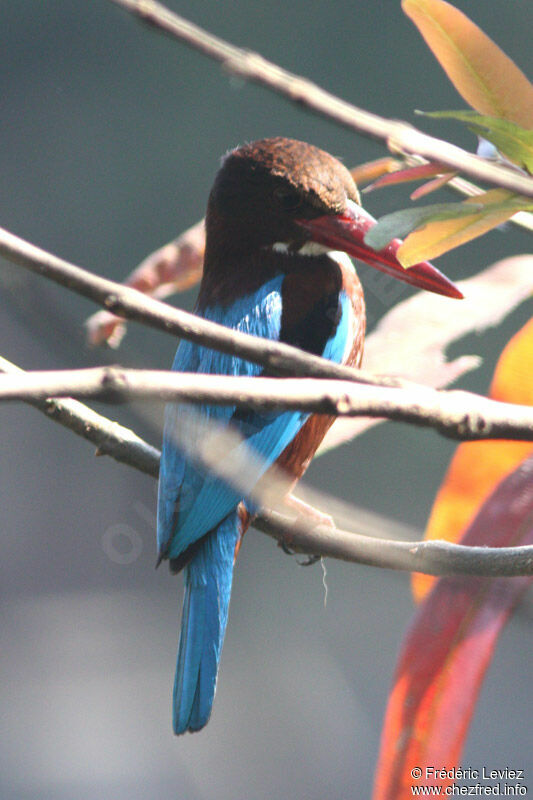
pixel 229 275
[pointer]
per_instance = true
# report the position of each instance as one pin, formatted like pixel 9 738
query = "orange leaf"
pixel 477 467
pixel 447 650
pixel 419 172
pixel 483 75
pixel 371 170
pixel 437 237
pixel 432 186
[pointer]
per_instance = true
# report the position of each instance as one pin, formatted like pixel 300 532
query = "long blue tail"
pixel 208 579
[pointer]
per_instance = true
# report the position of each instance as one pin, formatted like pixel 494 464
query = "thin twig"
pixel 432 557
pixel 399 136
pixel 457 414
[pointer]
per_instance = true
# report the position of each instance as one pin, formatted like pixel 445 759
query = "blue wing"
pixel 190 502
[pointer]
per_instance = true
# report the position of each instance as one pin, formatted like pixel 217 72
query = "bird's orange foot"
pixel 309 513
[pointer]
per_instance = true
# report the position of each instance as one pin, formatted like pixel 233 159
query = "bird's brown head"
pixel 263 187
pixel 282 194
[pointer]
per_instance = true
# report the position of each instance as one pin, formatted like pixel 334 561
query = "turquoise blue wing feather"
pixel 190 502
pixel 180 482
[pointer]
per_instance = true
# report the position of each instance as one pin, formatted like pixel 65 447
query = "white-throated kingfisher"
pixel 281 217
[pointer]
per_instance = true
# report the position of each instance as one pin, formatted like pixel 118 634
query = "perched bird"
pixel 278 213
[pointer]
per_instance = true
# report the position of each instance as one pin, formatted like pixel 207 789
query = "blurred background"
pixel 110 138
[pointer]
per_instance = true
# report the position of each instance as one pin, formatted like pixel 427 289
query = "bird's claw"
pixel 308 561
pixel 286 549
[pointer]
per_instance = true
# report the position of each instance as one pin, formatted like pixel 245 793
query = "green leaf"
pixel 439 235
pixel 443 226
pixel 511 139
pixel 400 223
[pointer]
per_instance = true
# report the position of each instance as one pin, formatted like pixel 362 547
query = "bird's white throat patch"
pixel 307 249
pixel 314 249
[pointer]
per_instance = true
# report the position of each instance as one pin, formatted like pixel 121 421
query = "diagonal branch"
pixel 458 414
pixel 247 65
pixel 432 557
pixel 109 437
pixel 129 303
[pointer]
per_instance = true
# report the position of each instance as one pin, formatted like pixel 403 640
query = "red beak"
pixel 347 232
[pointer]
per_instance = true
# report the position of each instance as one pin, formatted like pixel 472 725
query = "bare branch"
pixel 110 438
pixel 399 136
pixel 432 557
pixel 464 422
pixel 458 414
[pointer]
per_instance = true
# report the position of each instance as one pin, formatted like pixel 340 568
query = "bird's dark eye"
pixel 287 198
